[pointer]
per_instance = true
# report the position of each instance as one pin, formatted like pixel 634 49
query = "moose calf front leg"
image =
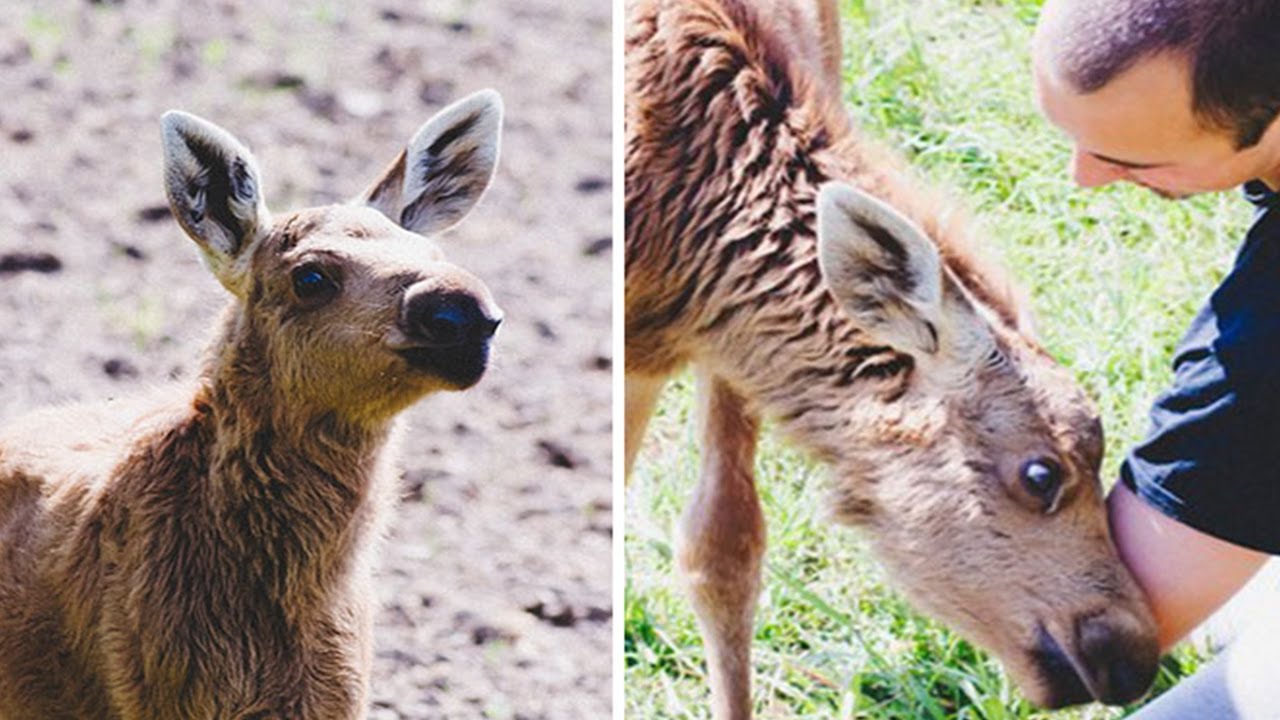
pixel 721 544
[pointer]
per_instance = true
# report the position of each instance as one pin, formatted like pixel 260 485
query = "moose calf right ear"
pixel 881 268
pixel 213 186
pixel 445 169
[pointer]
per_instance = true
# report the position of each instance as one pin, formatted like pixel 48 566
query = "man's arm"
pixel 1185 573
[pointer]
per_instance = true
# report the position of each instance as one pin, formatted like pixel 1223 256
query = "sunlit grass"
pixel 1114 276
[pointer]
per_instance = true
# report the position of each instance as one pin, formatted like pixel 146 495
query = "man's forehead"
pixel 1132 121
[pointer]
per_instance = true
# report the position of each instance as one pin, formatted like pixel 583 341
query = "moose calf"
pixel 808 279
pixel 206 553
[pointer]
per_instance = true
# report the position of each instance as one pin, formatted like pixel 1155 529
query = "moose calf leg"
pixel 642 394
pixel 721 545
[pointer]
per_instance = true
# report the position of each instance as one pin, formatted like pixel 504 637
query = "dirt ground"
pixel 495 581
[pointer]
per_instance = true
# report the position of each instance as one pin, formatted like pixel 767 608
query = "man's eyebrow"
pixel 1126 163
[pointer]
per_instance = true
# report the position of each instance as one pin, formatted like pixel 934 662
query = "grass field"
pixel 1115 274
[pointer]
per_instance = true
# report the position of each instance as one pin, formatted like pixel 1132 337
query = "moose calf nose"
pixel 443 319
pixel 1122 660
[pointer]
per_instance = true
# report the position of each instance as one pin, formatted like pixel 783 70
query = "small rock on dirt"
pixel 41 262
pixel 275 79
pixel 133 252
pixel 117 368
pixel 592 184
pixel 321 103
pixel 484 634
pixel 545 331
pixel 154 213
pixel 552 609
pixel 598 246
pixel 435 92
pixel 559 455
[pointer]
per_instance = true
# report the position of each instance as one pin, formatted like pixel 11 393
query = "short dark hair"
pixel 1233 47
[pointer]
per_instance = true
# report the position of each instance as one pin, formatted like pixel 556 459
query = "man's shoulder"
pixel 1236 334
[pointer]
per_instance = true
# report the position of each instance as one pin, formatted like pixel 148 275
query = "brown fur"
pixel 732 128
pixel 206 552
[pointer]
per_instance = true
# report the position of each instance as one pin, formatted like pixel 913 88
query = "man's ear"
pixel 446 168
pixel 882 269
pixel 214 190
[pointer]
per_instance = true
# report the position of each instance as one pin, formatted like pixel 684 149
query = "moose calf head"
pixel 348 308
pixel 979 479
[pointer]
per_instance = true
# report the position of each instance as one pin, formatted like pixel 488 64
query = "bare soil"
pixel 495 581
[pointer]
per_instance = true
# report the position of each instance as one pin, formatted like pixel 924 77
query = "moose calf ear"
pixel 213 186
pixel 881 268
pixel 445 169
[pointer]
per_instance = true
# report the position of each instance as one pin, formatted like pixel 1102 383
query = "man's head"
pixel 1176 95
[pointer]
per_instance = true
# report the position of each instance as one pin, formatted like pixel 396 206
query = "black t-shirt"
pixel 1212 457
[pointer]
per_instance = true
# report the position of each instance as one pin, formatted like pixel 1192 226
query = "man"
pixel 1182 96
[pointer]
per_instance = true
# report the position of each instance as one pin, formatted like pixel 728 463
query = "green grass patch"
pixel 1114 275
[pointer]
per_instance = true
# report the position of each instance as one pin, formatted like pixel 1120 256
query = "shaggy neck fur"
pixel 297 479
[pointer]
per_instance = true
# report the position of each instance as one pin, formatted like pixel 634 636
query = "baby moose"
pixel 206 553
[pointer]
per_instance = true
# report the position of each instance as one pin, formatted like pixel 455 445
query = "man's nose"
pixel 1088 171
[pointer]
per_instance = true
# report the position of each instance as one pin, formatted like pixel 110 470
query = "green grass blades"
pixel 1114 275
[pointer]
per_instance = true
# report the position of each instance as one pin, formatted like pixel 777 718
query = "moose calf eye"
pixel 312 285
pixel 1042 478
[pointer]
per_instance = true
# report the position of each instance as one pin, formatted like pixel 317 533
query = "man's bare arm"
pixel 1186 574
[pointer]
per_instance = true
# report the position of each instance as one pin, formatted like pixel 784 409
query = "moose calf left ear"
pixel 213 186
pixel 445 169
pixel 881 268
